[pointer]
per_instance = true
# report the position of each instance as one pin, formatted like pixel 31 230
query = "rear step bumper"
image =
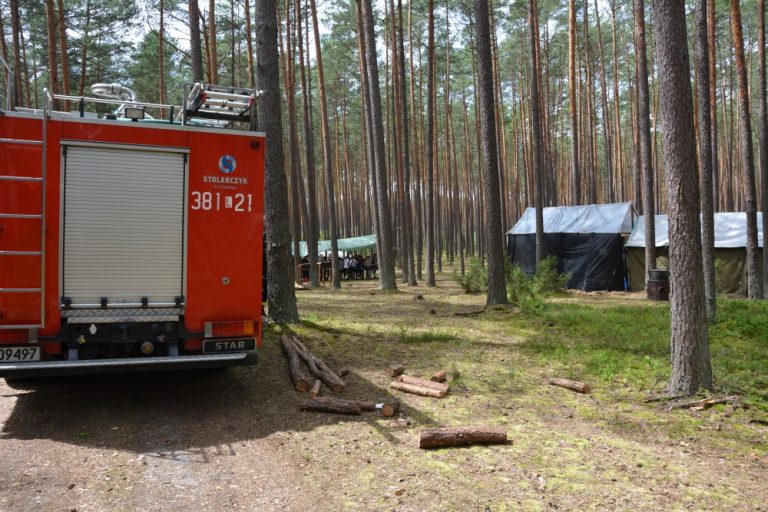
pixel 91 366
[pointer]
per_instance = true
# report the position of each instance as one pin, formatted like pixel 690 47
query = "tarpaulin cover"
pixel 593 218
pixel 730 231
pixel 730 251
pixel 594 260
pixel 354 244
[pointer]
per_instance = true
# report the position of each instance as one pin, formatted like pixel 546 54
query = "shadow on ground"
pixel 186 414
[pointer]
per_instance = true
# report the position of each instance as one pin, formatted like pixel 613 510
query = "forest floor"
pixel 237 440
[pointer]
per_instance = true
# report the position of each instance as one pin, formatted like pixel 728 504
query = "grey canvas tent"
pixel 730 251
pixel 586 240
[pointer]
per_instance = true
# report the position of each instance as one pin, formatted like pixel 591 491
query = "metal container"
pixel 658 284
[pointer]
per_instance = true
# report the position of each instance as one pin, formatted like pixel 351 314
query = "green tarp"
pixel 355 244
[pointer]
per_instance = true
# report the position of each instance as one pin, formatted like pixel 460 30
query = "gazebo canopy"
pixel 354 244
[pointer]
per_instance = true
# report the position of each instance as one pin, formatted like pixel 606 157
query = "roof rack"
pixel 220 103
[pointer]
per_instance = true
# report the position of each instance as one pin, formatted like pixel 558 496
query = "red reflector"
pixel 224 329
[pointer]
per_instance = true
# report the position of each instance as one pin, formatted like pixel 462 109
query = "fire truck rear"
pixel 129 243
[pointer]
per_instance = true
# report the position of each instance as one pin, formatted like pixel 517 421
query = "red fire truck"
pixel 131 243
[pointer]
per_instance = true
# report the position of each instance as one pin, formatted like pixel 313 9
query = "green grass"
pixel 629 345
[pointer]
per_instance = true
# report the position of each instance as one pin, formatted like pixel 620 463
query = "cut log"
pixel 439 437
pixel 330 404
pixel 298 378
pixel 425 383
pixel 419 390
pixel 396 371
pixel 343 372
pixel 439 377
pixel 573 385
pixel 318 368
pixel 700 405
pixel 367 405
pixel 315 389
pixel 389 409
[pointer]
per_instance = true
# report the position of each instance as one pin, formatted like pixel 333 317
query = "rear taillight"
pixel 239 328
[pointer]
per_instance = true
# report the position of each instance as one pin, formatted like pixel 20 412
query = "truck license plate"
pixel 231 345
pixel 19 354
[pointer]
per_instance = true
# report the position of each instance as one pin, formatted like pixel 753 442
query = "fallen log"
pixel 330 404
pixel 367 405
pixel 318 368
pixel 439 377
pixel 315 389
pixel 396 371
pixel 699 405
pixel 573 385
pixel 419 390
pixel 343 372
pixel 389 409
pixel 298 378
pixel 425 383
pixel 439 437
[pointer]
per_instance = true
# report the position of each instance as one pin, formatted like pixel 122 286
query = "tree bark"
pixel 440 437
pixel 705 158
pixel 763 134
pixel 63 50
pixel 536 137
pixel 300 381
pixel 249 43
pixel 754 281
pixel 419 390
pixel 644 135
pixel 15 32
pixel 280 291
pixel 713 103
pixel 53 74
pixel 327 157
pixel 385 257
pixel 497 289
pixel 213 56
pixel 573 385
pixel 195 46
pixel 330 404
pixel 425 383
pixel 691 366
pixel 318 368
pixel 430 145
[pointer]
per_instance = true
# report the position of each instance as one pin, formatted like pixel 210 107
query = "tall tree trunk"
pixel 713 103
pixel 617 110
pixel 754 281
pixel 705 154
pixel 536 145
pixel 405 153
pixel 63 50
pixel 497 291
pixel 161 53
pixel 213 56
pixel 53 74
pixel 195 47
pixel 312 227
pixel 763 123
pixel 385 257
pixel 607 136
pixel 280 291
pixel 430 144
pixel 15 32
pixel 691 366
pixel 327 157
pixel 249 43
pixel 644 135
pixel 572 105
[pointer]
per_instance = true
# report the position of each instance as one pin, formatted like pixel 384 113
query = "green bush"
pixel 475 278
pixel 529 291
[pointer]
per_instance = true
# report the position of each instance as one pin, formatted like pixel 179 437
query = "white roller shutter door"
pixel 123 225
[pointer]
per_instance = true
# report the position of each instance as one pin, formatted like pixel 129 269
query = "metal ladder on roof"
pixel 9 178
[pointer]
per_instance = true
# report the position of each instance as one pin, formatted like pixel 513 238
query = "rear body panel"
pixel 217 235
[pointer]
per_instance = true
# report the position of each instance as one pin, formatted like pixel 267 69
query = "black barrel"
pixel 658 284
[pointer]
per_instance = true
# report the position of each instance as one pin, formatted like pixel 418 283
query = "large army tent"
pixel 730 251
pixel 586 240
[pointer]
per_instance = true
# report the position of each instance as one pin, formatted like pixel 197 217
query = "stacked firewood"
pixel 297 352
pixel 434 387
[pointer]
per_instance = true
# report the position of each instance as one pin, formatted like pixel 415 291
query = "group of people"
pixel 352 267
pixel 359 267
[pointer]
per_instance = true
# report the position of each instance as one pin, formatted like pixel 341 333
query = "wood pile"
pixel 423 387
